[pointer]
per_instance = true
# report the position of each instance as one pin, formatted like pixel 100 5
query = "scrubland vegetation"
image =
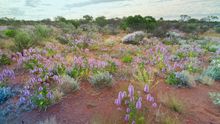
pixel 150 69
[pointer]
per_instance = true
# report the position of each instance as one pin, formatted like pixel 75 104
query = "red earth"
pixel 96 106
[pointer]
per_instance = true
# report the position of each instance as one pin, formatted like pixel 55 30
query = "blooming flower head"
pixel 139 103
pixel 154 105
pixel 131 90
pixel 126 117
pixel 146 88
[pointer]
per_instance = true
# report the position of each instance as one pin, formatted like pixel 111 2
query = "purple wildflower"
pixel 131 90
pixel 126 117
pixel 154 105
pixel 146 88
pixel 139 103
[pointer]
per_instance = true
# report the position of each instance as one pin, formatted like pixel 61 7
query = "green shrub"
pixel 127 59
pixel 31 64
pixel 40 98
pixel 215 97
pixel 23 40
pixel 180 79
pixel 101 79
pixel 185 79
pixel 59 70
pixel 10 33
pixel 42 31
pixel 4 60
pixel 213 72
pixel 69 84
pixel 171 79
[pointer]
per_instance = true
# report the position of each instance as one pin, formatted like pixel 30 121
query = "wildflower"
pixel 40 88
pixel 49 95
pixel 22 100
pixel 118 102
pixel 146 88
pixel 39 79
pixel 154 105
pixel 138 103
pixel 26 92
pixel 150 98
pixel 126 117
pixel 133 122
pixel 128 110
pixel 131 91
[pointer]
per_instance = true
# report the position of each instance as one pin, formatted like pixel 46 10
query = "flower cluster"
pixel 134 103
pixel 6 74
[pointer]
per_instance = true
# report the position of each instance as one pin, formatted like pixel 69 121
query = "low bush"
pixel 42 32
pixel 101 79
pixel 23 40
pixel 69 84
pixel 180 79
pixel 10 33
pixel 213 72
pixel 215 97
pixel 172 79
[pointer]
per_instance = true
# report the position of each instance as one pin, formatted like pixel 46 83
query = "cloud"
pixel 32 3
pixel 91 2
pixel 16 12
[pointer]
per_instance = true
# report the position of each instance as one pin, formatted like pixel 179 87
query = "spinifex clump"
pixel 135 104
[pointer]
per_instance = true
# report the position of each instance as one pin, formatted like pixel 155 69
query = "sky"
pixel 74 9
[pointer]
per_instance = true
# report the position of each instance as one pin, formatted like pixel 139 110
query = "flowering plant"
pixel 134 104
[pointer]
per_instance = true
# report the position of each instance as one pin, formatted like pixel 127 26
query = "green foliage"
pixel 101 21
pixel 192 69
pixel 215 97
pixel 10 32
pixel 213 70
pixel 138 22
pixel 42 32
pixel 40 98
pixel 59 70
pixel 143 76
pixel 171 79
pixel 23 40
pixel 127 59
pixel 101 80
pixel 180 79
pixel 4 60
pixel 31 64
pixel 112 67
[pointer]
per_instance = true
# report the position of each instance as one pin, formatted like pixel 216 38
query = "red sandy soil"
pixel 91 105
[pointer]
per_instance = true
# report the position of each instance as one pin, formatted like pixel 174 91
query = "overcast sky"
pixel 169 9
